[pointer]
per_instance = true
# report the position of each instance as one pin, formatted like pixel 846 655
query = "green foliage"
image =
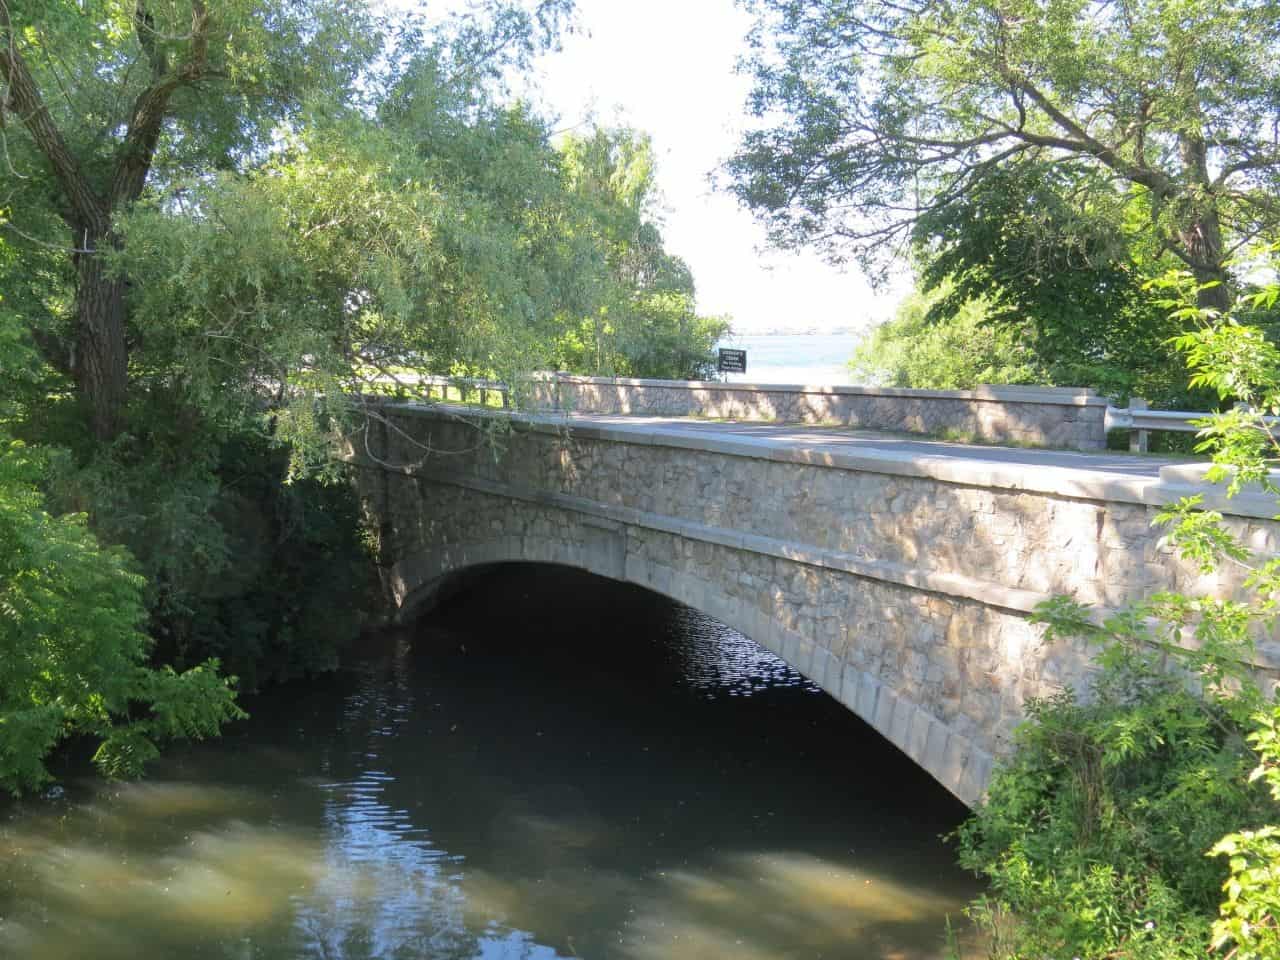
pixel 298 197
pixel 425 240
pixel 298 582
pixel 1249 921
pixel 271 578
pixel 72 655
pixel 1094 833
pixel 957 352
pixel 1015 271
pixel 875 113
pixel 1066 276
pixel 644 323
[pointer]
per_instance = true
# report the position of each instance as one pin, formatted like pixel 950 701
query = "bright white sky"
pixel 667 67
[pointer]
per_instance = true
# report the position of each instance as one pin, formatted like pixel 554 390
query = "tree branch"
pixel 25 99
pixel 1082 141
pixel 151 106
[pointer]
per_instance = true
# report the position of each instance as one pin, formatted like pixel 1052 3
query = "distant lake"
pixel 812 359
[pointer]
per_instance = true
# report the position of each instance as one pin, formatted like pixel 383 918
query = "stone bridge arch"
pixel 714 579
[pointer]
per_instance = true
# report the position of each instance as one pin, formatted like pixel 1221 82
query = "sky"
pixel 667 67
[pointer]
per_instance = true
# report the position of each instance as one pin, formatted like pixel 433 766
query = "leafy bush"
pixel 72 656
pixel 1093 835
pixel 1248 924
pixel 297 582
pixel 270 577
pixel 961 351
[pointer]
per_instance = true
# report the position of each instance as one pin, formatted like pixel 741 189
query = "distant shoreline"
pixel 836 332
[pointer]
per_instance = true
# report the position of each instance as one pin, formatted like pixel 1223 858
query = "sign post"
pixel 732 361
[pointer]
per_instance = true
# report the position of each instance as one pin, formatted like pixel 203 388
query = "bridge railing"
pixel 564 392
pixel 1064 417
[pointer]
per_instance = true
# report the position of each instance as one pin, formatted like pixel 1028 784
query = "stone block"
pixel 900 726
pixel 935 747
pixel 973 781
pixel 918 734
pixel 868 692
pixel 790 648
pixel 886 704
pixel 953 766
pixel 848 694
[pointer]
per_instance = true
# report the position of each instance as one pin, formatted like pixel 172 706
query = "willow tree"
pixel 645 321
pixel 208 213
pixel 104 96
pixel 877 112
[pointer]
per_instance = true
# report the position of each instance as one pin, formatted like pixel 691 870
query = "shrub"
pixel 72 655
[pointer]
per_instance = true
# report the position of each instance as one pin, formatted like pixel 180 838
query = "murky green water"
pixel 549 767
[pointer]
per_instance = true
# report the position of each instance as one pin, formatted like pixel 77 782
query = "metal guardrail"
pixel 464 386
pixel 1142 421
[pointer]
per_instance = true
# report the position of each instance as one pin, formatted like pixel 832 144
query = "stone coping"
pixel 1070 476
pixel 1061 396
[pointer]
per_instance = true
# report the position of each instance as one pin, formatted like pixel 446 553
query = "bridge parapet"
pixel 899 580
pixel 1067 417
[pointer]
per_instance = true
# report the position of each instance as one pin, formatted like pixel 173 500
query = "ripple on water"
pixel 721 662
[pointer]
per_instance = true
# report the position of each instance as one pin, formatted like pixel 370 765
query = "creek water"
pixel 547 766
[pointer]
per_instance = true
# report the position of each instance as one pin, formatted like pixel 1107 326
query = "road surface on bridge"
pixel 846 440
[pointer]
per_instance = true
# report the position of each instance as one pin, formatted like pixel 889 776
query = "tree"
pixel 270 199
pixel 325 202
pixel 1071 279
pixel 958 351
pixel 645 322
pixel 110 94
pixel 878 113
pixel 105 98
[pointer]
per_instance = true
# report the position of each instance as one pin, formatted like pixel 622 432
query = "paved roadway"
pixel 851 441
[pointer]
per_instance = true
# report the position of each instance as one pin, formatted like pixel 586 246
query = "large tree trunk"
pixel 1202 243
pixel 1201 235
pixel 101 362
pixel 101 355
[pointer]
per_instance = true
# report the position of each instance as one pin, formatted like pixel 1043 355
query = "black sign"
pixel 732 361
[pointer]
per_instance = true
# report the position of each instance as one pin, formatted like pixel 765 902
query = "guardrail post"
pixel 1139 440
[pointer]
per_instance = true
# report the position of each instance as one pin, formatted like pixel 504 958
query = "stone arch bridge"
pixel 898 575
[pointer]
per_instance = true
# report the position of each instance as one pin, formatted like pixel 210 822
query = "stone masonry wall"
pixel 1052 417
pixel 905 596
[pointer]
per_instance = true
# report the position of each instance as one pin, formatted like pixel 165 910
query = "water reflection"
pixel 549 768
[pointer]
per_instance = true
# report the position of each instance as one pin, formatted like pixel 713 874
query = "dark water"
pixel 550 766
